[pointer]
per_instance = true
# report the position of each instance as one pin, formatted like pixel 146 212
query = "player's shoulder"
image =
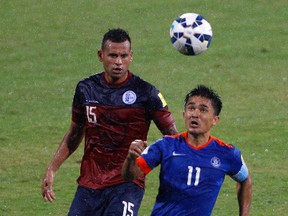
pixel 140 82
pixel 168 138
pixel 86 81
pixel 180 137
pixel 171 143
pixel 221 143
pixel 92 78
pixel 228 149
pixel 165 144
pixel 175 136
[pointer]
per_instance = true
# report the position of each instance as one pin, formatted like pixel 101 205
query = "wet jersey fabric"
pixel 190 178
pixel 114 116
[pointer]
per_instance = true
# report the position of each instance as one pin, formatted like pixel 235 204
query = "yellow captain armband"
pixel 162 99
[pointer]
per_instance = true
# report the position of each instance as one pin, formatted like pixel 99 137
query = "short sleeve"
pixel 159 111
pixel 78 108
pixel 239 169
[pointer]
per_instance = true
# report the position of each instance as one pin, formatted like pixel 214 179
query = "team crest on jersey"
pixel 129 97
pixel 215 162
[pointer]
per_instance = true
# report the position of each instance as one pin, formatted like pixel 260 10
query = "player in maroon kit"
pixel 110 109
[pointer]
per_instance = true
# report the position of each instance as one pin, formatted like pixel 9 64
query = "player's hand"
pixel 47 183
pixel 136 148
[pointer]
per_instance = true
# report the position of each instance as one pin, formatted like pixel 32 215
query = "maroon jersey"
pixel 114 116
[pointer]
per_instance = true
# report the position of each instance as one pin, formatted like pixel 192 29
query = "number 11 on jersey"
pixel 190 175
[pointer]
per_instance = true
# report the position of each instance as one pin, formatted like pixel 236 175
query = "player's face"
pixel 116 58
pixel 199 116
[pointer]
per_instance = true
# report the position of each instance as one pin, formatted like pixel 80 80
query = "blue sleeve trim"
pixel 242 175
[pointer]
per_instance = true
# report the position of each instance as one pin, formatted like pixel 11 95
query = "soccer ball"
pixel 191 34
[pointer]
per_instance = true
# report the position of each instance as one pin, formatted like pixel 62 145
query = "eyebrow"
pixel 204 105
pixel 201 105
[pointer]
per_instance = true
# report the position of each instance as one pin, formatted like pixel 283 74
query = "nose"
pixel 118 61
pixel 195 113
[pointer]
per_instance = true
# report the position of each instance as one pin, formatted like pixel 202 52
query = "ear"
pixel 131 56
pixel 216 119
pixel 100 55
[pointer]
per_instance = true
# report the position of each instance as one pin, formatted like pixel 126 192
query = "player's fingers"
pixel 47 192
pixel 144 146
pixel 49 195
pixel 137 142
pixel 140 144
pixel 139 149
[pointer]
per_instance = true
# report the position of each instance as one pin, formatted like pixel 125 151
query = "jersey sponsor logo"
pixel 93 102
pixel 129 97
pixel 215 162
pixel 177 154
pixel 162 99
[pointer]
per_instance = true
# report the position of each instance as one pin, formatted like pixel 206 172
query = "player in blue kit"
pixel 110 109
pixel 193 163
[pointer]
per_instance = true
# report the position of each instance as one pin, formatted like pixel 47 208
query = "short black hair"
pixel 206 92
pixel 117 35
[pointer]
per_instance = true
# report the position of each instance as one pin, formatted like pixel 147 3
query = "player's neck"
pixel 198 140
pixel 115 81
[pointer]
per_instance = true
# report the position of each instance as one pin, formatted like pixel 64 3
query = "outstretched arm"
pixel 130 169
pixel 68 145
pixel 244 194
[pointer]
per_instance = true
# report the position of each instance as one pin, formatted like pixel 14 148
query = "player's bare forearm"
pixel 130 169
pixel 171 131
pixel 68 145
pixel 244 194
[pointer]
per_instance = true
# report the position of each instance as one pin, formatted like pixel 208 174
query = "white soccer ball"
pixel 191 34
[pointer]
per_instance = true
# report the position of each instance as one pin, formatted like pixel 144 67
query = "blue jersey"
pixel 191 178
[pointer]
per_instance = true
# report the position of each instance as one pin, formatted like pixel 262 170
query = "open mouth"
pixel 194 124
pixel 117 70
